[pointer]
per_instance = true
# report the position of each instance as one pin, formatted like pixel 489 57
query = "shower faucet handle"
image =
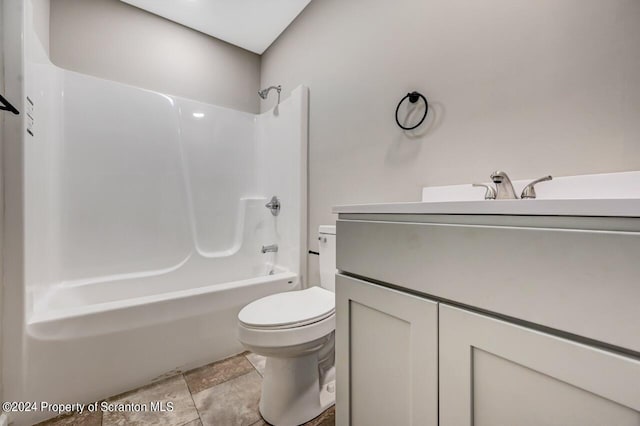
pixel 274 205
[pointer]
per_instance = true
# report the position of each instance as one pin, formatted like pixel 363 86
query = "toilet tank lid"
pixel 327 229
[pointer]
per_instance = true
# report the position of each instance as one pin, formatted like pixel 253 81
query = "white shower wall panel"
pixel 140 182
pixel 123 207
pixel 219 154
pixel 282 171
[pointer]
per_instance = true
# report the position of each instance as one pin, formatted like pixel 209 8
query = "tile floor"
pixel 225 393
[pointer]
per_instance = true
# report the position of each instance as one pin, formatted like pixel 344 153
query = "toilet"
pixel 295 331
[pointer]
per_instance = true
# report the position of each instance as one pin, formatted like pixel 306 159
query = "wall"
pixel 534 88
pixel 41 22
pixel 116 41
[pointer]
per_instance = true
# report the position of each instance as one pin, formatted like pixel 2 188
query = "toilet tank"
pixel 327 250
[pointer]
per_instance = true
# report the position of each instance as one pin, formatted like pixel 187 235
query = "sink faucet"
pixel 272 248
pixel 504 187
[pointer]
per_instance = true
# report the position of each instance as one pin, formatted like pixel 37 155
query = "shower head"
pixel 265 92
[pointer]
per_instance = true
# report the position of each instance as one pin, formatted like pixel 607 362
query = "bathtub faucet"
pixel 272 248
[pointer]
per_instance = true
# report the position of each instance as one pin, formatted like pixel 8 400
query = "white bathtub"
pixel 86 352
pixel 78 313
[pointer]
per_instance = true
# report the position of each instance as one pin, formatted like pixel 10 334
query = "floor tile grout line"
pixel 193 400
pixel 242 354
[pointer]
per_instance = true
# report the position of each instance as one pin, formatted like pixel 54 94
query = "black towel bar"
pixel 6 106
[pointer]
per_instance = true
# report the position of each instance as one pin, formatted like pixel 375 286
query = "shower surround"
pixel 144 217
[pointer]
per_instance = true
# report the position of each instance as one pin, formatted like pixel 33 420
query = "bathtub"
pixel 88 351
pixel 78 312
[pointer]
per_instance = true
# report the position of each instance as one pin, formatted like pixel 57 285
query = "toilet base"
pixel 291 390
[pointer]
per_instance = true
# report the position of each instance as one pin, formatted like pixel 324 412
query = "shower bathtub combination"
pixel 144 223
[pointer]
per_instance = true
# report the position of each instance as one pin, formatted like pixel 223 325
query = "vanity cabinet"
pixel 430 332
pixel 386 356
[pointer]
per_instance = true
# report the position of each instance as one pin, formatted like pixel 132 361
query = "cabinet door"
pixel 496 373
pixel 386 356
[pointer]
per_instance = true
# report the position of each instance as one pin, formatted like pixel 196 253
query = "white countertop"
pixel 608 194
pixel 589 207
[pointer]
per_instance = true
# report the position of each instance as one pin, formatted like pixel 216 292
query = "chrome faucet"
pixel 504 187
pixel 273 248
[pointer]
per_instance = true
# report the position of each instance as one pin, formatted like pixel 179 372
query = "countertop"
pixel 569 207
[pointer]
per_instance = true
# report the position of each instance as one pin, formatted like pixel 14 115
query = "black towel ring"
pixel 413 98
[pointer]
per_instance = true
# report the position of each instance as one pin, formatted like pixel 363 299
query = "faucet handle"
pixel 529 191
pixel 490 194
pixel 274 205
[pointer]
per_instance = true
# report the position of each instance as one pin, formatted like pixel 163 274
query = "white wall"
pixel 116 41
pixel 41 22
pixel 534 88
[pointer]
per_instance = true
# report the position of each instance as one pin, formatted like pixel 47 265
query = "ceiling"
pixel 250 24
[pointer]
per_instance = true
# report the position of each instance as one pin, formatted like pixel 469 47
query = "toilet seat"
pixel 264 341
pixel 288 310
pixel 288 319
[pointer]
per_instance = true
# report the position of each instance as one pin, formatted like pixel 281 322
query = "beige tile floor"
pixel 225 393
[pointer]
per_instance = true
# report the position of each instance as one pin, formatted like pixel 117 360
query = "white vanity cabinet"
pixel 494 372
pixel 487 321
pixel 386 356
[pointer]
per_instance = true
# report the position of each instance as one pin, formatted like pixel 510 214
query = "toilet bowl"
pixel 295 331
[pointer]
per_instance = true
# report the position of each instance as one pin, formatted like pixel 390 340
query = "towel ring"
pixel 413 98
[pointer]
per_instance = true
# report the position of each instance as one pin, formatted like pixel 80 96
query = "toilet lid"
pixel 289 309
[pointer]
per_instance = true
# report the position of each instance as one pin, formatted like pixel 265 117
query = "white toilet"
pixel 295 331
